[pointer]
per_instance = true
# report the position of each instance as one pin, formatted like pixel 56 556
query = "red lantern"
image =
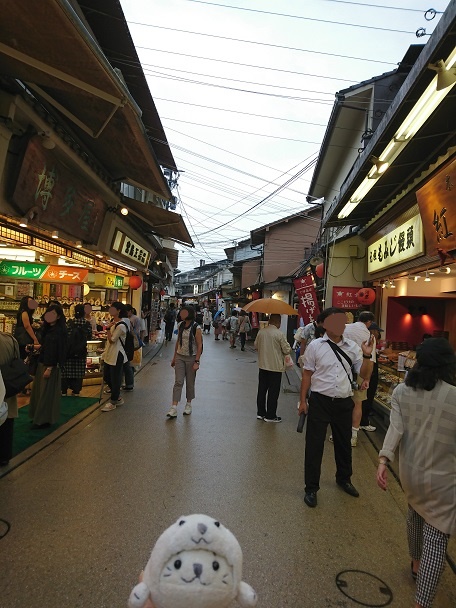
pixel 135 282
pixel 320 270
pixel 365 296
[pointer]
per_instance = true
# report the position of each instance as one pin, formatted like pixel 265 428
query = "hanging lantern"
pixel 135 282
pixel 365 296
pixel 320 270
pixel 85 289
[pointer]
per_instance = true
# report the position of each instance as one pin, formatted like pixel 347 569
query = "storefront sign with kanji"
pixel 437 205
pixel 114 281
pixel 401 244
pixel 345 297
pixel 58 194
pixel 308 306
pixel 126 246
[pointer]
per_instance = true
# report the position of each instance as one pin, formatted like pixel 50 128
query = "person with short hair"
pixel 170 320
pixel 423 425
pixel 114 355
pixel 272 347
pixel 74 368
pixel 233 324
pixel 359 333
pixel 329 367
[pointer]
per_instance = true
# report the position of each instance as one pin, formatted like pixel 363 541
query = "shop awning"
pixel 172 255
pixel 165 223
pixel 55 55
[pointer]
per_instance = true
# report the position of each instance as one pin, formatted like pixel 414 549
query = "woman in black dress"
pixel 44 408
pixel 79 331
pixel 23 331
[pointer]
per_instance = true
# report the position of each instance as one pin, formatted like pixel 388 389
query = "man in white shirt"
pixel 329 376
pixel 359 333
pixel 272 346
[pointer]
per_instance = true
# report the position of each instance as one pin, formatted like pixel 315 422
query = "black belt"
pixel 332 398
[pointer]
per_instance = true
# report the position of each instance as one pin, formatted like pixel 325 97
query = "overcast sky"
pixel 239 132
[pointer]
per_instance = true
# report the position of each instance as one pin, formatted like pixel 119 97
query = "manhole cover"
pixel 364 588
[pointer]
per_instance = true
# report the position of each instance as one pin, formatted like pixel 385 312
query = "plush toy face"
pixel 199 573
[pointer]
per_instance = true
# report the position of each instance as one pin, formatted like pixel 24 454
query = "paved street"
pixel 85 511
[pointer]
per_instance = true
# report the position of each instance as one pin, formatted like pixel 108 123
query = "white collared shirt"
pixel 359 333
pixel 329 376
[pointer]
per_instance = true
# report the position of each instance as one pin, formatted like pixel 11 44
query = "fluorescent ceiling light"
pixel 18 255
pixel 421 111
pixel 121 264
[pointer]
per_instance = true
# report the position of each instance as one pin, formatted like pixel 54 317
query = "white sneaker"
pixel 187 409
pixel 107 390
pixel 172 412
pixel 354 441
pixel 108 407
pixel 331 439
pixel 119 401
pixel 369 428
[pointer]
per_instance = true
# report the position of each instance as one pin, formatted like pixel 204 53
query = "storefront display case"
pixel 94 369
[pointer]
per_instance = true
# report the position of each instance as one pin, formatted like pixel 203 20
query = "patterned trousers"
pixel 428 545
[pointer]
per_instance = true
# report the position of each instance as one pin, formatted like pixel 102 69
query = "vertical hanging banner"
pixel 308 306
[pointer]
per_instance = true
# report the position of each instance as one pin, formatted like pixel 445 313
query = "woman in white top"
pixel 423 424
pixel 114 355
pixel 186 360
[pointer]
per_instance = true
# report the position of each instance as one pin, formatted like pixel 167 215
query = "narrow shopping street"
pixel 85 511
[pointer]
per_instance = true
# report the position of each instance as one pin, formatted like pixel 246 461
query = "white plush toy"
pixel 196 563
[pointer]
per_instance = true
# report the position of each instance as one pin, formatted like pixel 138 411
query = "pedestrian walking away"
pixel 423 425
pixel 114 355
pixel 170 320
pixel 272 347
pixel 232 326
pixel 367 405
pixel 79 331
pixel 207 320
pixel 359 333
pixel 186 360
pixel 244 327
pixel 330 365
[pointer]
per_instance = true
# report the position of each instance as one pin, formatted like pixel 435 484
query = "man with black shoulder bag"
pixel 330 368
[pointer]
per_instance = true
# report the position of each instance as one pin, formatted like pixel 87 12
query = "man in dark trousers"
pixel 170 319
pixel 330 368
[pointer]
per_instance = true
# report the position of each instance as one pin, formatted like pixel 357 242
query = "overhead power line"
pixel 276 46
pixel 253 10
pixel 392 8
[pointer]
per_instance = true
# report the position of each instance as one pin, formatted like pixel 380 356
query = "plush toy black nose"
pixel 202 529
pixel 197 569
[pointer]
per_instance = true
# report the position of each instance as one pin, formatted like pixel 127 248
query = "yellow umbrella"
pixel 270 306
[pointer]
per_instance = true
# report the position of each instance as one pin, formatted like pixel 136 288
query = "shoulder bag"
pixel 338 352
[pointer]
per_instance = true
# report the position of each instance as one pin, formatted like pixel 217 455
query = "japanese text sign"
pixel 22 270
pixel 59 195
pixel 114 281
pixel 401 244
pixel 345 298
pixel 126 246
pixel 308 306
pixel 65 274
pixel 437 205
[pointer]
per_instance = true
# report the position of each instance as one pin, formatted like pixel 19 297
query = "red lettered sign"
pixel 345 297
pixel 308 306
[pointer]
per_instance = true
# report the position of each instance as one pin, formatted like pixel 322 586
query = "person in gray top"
pixel 423 424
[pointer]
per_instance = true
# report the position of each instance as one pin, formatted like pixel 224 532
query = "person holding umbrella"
pixel 272 347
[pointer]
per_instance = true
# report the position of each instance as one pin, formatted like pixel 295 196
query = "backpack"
pixel 247 326
pixel 77 341
pixel 170 316
pixel 129 344
pixel 15 374
pixel 228 324
pixel 194 328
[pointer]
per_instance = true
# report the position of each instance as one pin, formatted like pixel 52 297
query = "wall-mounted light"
pixel 446 75
pixel 24 222
pixel 55 234
pixel 124 211
pixel 78 244
pixel 380 166
pixel 392 285
pixel 99 254
pixel 46 140
pixel 445 269
pixel 427 278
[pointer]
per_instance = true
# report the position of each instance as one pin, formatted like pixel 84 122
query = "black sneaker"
pixel 260 417
pixel 310 498
pixel 276 419
pixel 128 389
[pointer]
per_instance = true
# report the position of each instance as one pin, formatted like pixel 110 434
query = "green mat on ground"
pixel 25 436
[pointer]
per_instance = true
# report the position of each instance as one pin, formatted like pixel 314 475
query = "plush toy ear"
pixel 139 596
pixel 246 595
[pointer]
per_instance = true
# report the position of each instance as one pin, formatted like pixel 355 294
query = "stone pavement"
pixel 86 510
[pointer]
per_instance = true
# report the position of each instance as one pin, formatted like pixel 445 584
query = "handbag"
pixel 21 335
pixel 32 362
pixel 288 361
pixel 15 375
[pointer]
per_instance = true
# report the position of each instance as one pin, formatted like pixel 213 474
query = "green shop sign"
pixel 22 270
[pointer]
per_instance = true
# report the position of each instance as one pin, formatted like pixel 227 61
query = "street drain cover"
pixel 364 588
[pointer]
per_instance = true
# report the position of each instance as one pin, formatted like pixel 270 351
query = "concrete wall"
pixel 343 270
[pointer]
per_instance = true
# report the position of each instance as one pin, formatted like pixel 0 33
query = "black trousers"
pixel 367 403
pixel 169 328
pixel 112 375
pixel 242 337
pixel 338 414
pixel 6 440
pixel 268 393
pixel 75 384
